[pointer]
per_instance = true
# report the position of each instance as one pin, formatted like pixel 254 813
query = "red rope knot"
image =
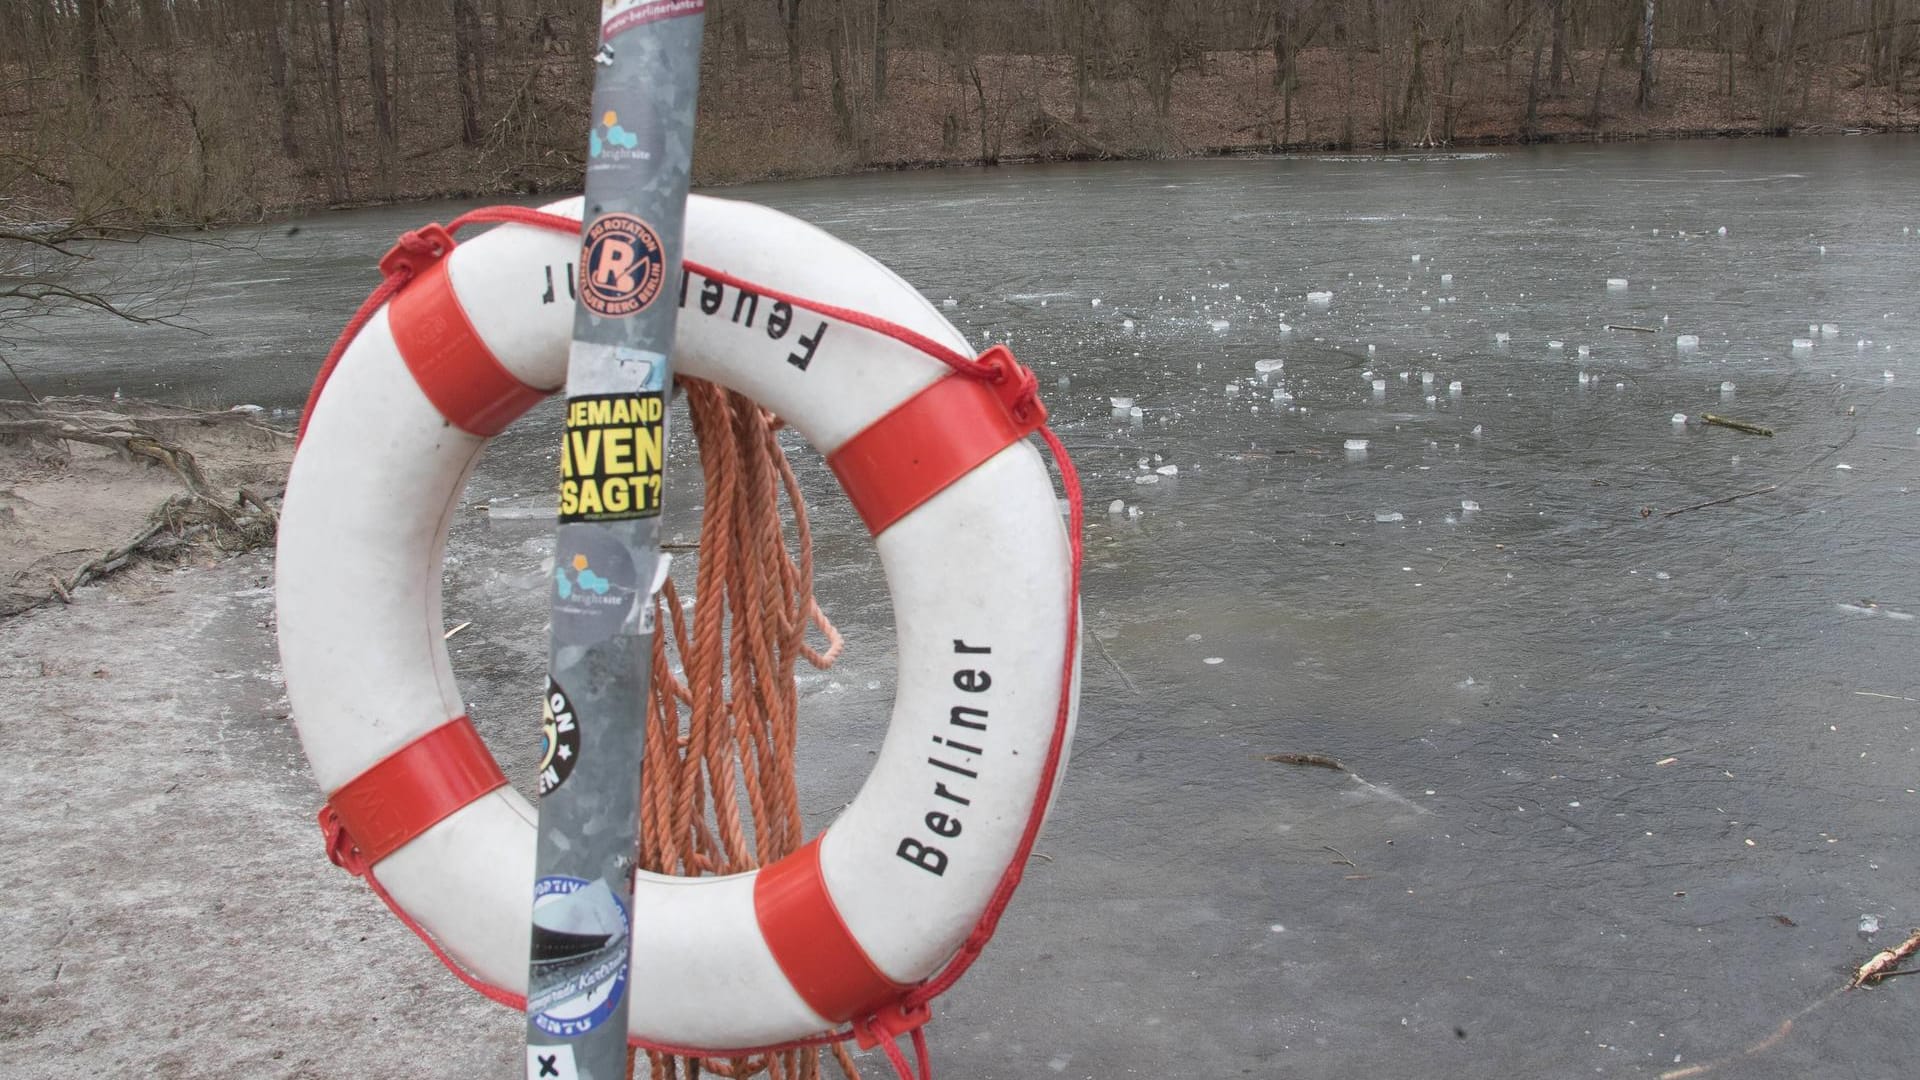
pixel 341 850
pixel 1016 386
pixel 416 250
pixel 885 1026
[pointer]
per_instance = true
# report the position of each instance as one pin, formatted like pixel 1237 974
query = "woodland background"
pixel 197 111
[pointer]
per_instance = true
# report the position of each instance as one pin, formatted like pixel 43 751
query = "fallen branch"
pixel 1884 961
pixel 1737 425
pixel 1722 502
pixel 1636 329
pixel 1318 761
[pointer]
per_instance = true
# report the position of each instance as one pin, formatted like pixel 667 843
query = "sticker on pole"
pixel 551 1063
pixel 624 15
pixel 580 955
pixel 559 738
pixel 622 264
pixel 610 457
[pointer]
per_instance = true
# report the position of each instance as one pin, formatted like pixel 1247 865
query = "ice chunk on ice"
pixel 1388 517
pixel 1432 399
pixel 1687 342
pixel 1233 389
pixel 1476 431
pixel 1502 337
pixel 1556 344
pixel 1801 344
pixel 1416 258
pixel 1585 378
pixel 1723 230
pixel 1219 325
pixel 1214 660
pixel 1828 329
pixel 1268 367
pixel 1617 284
pixel 1379 388
pixel 1117 507
pixel 1844 467
pixel 1321 297
pixel 1726 389
pixel 1454 388
pixel 1096 301
pixel 1122 402
pixel 1446 279
pixel 1469 506
pixel 1126 324
pixel 1136 412
pixel 1585 352
pixel 1869 925
pixel 1679 419
pixel 948 302
pixel 1285 329
pixel 1426 378
pixel 1150 478
pixel 1356 444
pixel 248 409
pixel 1133 511
pixel 1280 395
pixel 1887 375
pixel 1168 470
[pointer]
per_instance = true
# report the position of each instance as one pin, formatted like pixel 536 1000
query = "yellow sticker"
pixel 611 457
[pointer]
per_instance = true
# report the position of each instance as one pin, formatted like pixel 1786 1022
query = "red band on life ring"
pixel 450 362
pixel 408 792
pixel 811 942
pixel 934 438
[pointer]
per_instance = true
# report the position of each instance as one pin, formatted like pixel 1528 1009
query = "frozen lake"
pixel 1624 783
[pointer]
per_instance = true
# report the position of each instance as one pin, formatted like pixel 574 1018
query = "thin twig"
pixel 1115 665
pixel 1737 425
pixel 1640 329
pixel 1722 502
pixel 1318 761
pixel 1342 860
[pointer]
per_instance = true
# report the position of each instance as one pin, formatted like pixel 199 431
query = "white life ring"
pixel 901 879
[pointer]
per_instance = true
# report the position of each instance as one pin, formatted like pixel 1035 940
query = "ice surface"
pixel 1616 283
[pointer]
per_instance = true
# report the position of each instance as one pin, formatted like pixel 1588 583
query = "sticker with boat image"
pixel 580 954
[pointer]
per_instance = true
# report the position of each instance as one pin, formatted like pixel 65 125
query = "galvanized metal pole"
pixel 607 561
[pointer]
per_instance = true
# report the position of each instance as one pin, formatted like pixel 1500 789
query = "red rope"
pixel 910 1015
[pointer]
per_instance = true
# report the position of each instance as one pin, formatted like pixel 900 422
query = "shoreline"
pixel 1514 140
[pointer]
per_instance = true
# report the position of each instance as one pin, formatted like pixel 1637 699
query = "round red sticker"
pixel 621 265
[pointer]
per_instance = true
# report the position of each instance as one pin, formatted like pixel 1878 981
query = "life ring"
pixel 983 576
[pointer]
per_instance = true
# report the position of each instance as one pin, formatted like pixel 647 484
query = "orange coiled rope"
pixel 726 729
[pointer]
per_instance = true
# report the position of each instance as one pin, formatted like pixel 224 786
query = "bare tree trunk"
pixel 791 9
pixel 1559 60
pixel 336 111
pixel 279 23
pixel 1530 127
pixel 1644 96
pixel 882 25
pixel 89 12
pixel 1082 46
pixel 376 16
pixel 466 68
pixel 1599 88
pixel 837 85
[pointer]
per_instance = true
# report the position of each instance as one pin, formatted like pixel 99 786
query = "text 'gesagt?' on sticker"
pixel 610 457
